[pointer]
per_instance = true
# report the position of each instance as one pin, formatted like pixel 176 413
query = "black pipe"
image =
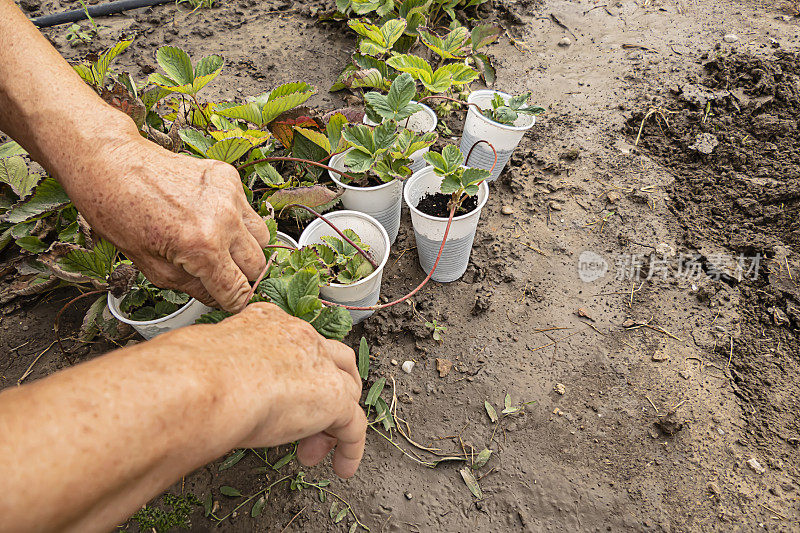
pixel 99 10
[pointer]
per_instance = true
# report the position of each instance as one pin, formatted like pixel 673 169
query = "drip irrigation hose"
pixel 100 10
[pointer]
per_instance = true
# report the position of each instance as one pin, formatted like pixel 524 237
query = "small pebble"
pixel 564 42
pixel 756 466
pixel 507 210
pixel 660 356
pixel 409 495
pixel 713 488
pixel 560 388
pixel 408 366
pixel 555 206
pixel 730 38
pixel 394 362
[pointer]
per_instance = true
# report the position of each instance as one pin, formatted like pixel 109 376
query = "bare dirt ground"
pixel 603 451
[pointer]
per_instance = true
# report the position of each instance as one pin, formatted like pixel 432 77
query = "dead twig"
pixel 293 518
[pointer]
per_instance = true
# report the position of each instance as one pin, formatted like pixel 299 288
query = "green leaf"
pixel 303 283
pixel 375 392
pixel 450 184
pixel 459 73
pixel 275 107
pixel 490 411
pixel 363 358
pixel 206 70
pixel 96 263
pixel 486 67
pixel 333 322
pixel 214 317
pixel 208 504
pixel 249 112
pixel 14 172
pixel 176 64
pixel 453 157
pixel 340 516
pixel 316 137
pixel 484 35
pixel 507 401
pixel 472 483
pixel 360 136
pixel 451 47
pixel 401 93
pixel 47 197
pixel 229 150
pixel 474 175
pixel 482 458
pixel 100 68
pixel 353 528
pixel 384 134
pixel 229 491
pixel 378 41
pixel 196 140
pixel 231 460
pixel 11 148
pixel 383 414
pixel 358 161
pixel 276 291
pixel 31 244
pixel 258 507
pixel 334 132
pixel 417 67
pixel 334 508
pixel 283 461
pixel 440 82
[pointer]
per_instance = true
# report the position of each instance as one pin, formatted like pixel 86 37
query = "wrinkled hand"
pixel 290 383
pixel 184 222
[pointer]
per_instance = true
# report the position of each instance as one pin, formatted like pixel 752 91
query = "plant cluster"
pixel 145 301
pixel 457 180
pixel 384 152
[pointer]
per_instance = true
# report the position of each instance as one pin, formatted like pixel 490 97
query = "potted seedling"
pixel 153 311
pixel 398 106
pixel 445 200
pixel 497 118
pixel 351 265
pixel 380 157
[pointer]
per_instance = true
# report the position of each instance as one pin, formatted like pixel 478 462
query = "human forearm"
pixel 105 436
pixel 46 107
pixel 100 439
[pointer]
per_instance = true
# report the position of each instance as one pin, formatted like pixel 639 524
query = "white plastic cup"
pixel 424 121
pixel 364 292
pixel 382 202
pixel 286 239
pixel 185 316
pixel 479 127
pixel 429 230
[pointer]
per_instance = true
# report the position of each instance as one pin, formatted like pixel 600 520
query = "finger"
pixel 350 448
pixel 345 359
pixel 248 255
pixel 194 288
pixel 313 449
pixel 222 279
pixel 256 226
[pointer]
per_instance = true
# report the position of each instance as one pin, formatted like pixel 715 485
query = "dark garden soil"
pixel 438 205
pixel 743 190
pixel 663 404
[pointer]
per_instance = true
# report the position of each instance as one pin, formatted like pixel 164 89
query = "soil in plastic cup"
pixel 382 202
pixel 364 292
pixel 429 230
pixel 504 138
pixel 185 316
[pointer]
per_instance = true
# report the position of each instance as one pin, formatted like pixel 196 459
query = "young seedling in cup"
pixel 459 184
pixel 507 112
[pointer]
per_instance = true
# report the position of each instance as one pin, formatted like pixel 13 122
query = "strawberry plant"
pixel 145 301
pixel 458 181
pixel 507 112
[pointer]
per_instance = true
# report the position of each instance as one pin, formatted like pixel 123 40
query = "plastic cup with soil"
pixel 480 127
pixel 365 291
pixel 153 311
pixel 382 201
pixel 430 209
